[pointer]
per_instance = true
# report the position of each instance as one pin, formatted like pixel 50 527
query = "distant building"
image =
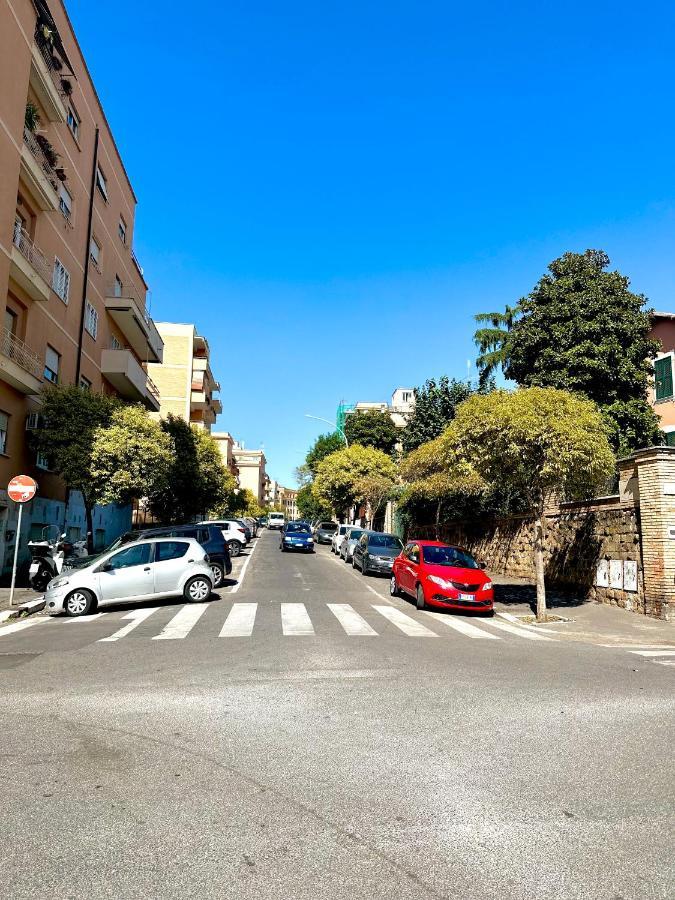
pixel 401 405
pixel 661 394
pixel 184 377
pixel 252 474
pixel 287 498
pixel 226 444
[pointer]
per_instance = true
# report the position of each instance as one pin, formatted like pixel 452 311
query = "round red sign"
pixel 22 488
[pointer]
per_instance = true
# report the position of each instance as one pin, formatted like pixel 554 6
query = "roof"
pixel 663 315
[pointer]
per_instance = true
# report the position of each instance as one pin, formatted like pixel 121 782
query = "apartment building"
pixel 271 491
pixel 399 408
pixel 184 378
pixel 287 498
pixel 226 444
pixel 662 396
pixel 71 289
pixel 252 474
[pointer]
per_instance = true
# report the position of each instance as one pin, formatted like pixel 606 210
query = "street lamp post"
pixel 334 424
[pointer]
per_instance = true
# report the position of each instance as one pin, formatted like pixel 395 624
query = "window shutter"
pixel 663 371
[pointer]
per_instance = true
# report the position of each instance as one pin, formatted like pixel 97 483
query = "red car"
pixel 442 576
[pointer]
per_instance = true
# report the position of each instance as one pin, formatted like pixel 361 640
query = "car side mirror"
pixel 482 565
pixel 106 567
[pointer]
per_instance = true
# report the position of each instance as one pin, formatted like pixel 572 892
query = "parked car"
pixel 262 521
pixel 275 520
pixel 338 535
pixel 442 576
pixel 253 525
pixel 142 570
pixel 324 531
pixel 297 536
pixel 210 537
pixel 233 532
pixel 376 551
pixel 247 529
pixel 349 541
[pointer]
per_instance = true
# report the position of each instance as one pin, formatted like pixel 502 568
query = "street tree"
pixel 543 442
pixel 244 503
pixel 435 405
pixel 310 508
pixel 70 419
pixel 491 341
pixel 130 458
pixel 372 428
pixel 433 472
pixel 324 445
pixel 340 477
pixel 374 490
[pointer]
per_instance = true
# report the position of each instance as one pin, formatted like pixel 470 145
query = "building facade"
pixel 252 474
pixel 226 445
pixel 72 292
pixel 401 406
pixel 287 498
pixel 661 395
pixel 184 378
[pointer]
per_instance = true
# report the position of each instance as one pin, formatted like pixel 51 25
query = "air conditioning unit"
pixel 32 421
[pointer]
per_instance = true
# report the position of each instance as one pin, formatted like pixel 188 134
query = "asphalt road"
pixel 268 745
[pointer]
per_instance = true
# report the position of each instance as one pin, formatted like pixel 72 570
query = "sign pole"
pixel 16 554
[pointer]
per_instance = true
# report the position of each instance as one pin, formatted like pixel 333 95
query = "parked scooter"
pixel 48 557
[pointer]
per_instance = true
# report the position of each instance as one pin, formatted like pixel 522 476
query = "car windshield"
pixel 298 528
pixel 328 526
pixel 385 540
pixel 355 534
pixel 449 556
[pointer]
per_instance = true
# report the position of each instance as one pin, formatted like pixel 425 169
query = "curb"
pixel 23 610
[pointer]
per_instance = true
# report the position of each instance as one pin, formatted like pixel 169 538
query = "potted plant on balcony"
pixel 67 86
pixel 50 153
pixel 32 119
pixel 60 173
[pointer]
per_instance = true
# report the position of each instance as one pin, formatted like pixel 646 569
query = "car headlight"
pixel 58 583
pixel 310 541
pixel 487 586
pixel 441 582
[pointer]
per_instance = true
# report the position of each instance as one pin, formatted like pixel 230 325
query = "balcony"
pixel 46 81
pixel 28 265
pixel 135 324
pixel 39 176
pixel 199 400
pixel 20 366
pixel 127 376
pixel 217 407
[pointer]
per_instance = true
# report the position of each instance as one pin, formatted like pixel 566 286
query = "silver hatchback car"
pixel 144 570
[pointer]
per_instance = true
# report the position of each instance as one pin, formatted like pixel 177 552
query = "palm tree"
pixel 491 341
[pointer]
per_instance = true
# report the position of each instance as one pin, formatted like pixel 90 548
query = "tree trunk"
pixel 89 513
pixel 539 565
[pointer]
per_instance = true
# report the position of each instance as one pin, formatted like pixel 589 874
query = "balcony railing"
pixel 38 153
pixel 24 244
pixel 152 388
pixel 48 56
pixel 15 349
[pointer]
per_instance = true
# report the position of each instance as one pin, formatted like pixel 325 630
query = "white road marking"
pixel 76 619
pixel 182 623
pixel 665 662
pixel 462 626
pixel 295 619
pixel 637 646
pixel 404 623
pixel 243 571
pixel 351 621
pixel 19 626
pixel 653 652
pixel 240 620
pixel 518 630
pixel 137 616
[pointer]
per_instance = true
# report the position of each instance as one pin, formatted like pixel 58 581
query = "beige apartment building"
pixel 252 475
pixel 226 444
pixel 287 498
pixel 184 378
pixel 71 290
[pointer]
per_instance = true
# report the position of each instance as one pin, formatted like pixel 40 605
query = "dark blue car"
pixel 297 536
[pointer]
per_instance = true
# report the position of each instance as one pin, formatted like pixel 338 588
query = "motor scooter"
pixel 48 557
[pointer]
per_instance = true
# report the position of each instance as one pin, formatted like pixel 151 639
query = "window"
pixel 90 320
pixel 166 550
pixel 85 384
pixel 114 343
pixel 42 461
pixel 95 253
pixel 65 201
pixel 61 280
pixel 670 438
pixel 102 183
pixel 663 375
pixel 137 555
pixel 406 396
pixel 122 230
pixel 11 320
pixel 118 287
pixel 73 121
pixel 52 360
pixel 4 423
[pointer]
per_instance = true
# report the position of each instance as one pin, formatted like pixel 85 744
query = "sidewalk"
pixel 592 622
pixel 21 595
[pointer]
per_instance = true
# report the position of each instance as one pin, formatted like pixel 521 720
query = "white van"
pixel 275 520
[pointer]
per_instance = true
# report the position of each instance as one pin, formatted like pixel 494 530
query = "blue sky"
pixel 332 190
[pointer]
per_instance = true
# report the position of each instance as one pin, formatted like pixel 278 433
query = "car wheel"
pixel 79 603
pixel 393 586
pixel 234 547
pixel 420 597
pixel 218 575
pixel 197 589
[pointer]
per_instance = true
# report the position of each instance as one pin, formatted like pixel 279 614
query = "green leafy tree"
pixel 543 442
pixel 130 458
pixel 491 341
pixel 71 418
pixel 198 480
pixel 340 478
pixel 324 445
pixel 372 428
pixel 244 503
pixel 374 490
pixel 310 508
pixel 435 405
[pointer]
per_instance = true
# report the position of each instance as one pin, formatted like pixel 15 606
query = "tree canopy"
pixel 372 428
pixel 310 507
pixel 324 445
pixel 339 479
pixel 435 405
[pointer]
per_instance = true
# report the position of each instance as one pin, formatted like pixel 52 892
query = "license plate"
pixel 466 597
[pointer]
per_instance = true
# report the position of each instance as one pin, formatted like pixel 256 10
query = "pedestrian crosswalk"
pixel 294 620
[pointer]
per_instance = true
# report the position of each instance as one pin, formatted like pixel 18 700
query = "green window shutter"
pixel 663 371
pixel 670 438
